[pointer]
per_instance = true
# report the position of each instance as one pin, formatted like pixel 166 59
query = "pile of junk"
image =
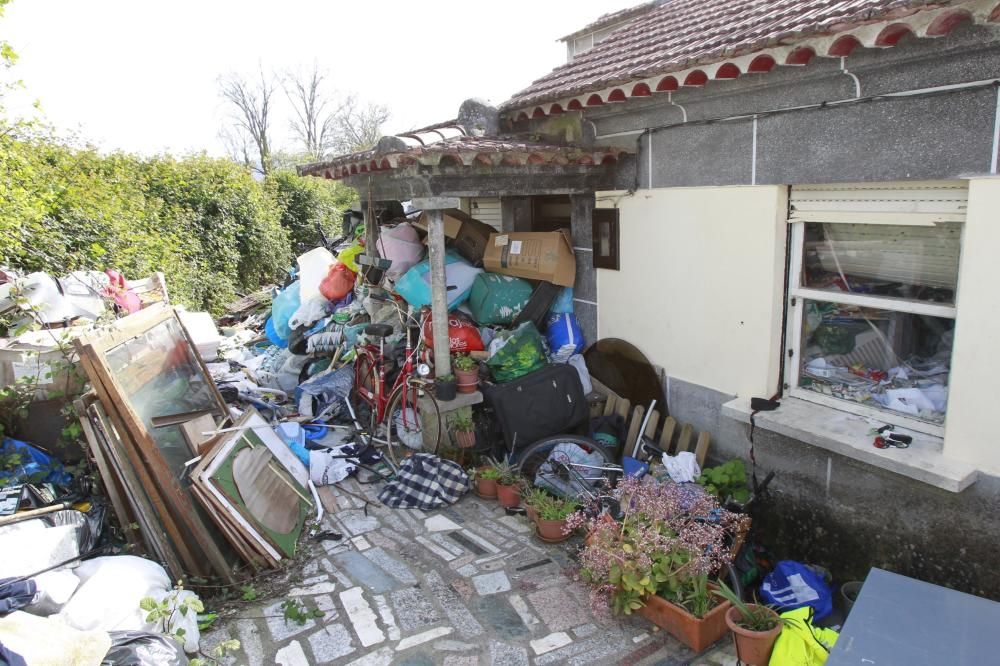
pixel 151 453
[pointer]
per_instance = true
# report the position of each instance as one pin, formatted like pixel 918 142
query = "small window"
pixel 872 306
pixel 605 238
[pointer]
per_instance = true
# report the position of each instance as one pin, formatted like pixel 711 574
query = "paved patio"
pixel 466 585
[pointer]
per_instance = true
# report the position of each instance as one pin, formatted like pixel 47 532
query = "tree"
pixel 359 126
pixel 250 107
pixel 314 123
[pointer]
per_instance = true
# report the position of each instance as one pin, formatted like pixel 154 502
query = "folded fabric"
pixel 425 482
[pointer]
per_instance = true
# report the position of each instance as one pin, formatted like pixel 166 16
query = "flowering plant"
pixel 671 539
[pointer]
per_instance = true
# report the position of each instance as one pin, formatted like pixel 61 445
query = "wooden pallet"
pixel 674 437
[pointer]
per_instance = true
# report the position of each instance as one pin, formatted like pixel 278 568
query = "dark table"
pixel 900 620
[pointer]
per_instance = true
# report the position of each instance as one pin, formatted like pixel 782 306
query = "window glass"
pixel 880 358
pixel 911 262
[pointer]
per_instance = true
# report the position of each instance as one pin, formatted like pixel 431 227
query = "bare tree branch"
pixel 358 126
pixel 250 104
pixel 312 124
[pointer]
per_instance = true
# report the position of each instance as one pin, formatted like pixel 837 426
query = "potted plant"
pixel 444 387
pixel 508 485
pixel 552 526
pixel 486 479
pixel 658 561
pixel 466 373
pixel 462 428
pixel 532 497
pixel 755 628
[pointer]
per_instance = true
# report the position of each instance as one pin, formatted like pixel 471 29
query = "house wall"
pixel 697 291
pixel 702 281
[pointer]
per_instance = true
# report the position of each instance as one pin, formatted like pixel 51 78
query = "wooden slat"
pixel 701 448
pixel 684 441
pixel 112 483
pixel 609 404
pixel 667 435
pixel 633 431
pixel 622 407
pixel 654 423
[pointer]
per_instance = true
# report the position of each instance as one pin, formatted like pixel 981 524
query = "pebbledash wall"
pixel 702 286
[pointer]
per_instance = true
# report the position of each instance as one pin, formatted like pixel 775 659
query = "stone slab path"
pixel 466 585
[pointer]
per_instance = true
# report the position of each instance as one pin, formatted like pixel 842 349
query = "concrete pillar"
pixel 515 213
pixel 585 287
pixel 433 207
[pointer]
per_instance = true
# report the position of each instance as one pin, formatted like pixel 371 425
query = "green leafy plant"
pixel 555 508
pixel 726 480
pixel 445 378
pixel 755 616
pixel 218 654
pixel 506 472
pixel 460 420
pixel 249 593
pixel 295 611
pixel 163 614
pixel 534 496
pixel 464 362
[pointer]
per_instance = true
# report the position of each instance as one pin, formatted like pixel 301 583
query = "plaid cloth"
pixel 425 481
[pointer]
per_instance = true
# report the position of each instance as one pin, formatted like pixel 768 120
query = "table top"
pixel 900 620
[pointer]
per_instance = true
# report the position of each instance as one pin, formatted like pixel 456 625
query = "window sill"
pixel 847 434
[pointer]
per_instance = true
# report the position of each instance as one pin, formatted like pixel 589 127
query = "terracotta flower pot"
pixel 486 487
pixel 509 496
pixel 531 512
pixel 753 648
pixel 465 440
pixel 551 530
pixel 467 380
pixel 696 633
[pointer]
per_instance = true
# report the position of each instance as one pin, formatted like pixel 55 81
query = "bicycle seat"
pixel 378 330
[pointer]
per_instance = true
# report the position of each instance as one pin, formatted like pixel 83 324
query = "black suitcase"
pixel 547 402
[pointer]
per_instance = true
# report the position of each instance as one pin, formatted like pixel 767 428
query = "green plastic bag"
pixel 516 353
pixel 800 643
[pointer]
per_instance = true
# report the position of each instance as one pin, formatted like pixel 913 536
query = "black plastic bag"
pixel 143 648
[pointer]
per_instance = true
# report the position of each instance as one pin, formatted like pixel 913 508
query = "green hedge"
pixel 205 222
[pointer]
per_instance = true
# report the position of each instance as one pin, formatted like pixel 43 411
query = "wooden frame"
pixel 172 502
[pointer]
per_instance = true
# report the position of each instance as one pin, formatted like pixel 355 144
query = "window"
pixel 604 224
pixel 872 292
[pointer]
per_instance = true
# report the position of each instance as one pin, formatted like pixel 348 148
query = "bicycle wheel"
pixel 406 420
pixel 580 479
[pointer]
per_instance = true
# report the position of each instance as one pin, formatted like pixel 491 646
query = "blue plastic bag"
pixel 565 337
pixel 415 285
pixel 794 585
pixel 33 466
pixel 563 303
pixel 283 307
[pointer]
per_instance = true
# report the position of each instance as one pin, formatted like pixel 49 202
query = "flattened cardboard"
pixel 453 219
pixel 533 255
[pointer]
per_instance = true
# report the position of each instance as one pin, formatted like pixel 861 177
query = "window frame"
pixel 796 295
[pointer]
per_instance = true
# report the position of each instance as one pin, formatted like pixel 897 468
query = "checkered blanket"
pixel 425 481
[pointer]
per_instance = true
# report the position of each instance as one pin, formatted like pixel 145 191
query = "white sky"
pixel 141 75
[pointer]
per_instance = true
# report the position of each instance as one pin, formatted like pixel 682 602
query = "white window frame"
pixel 797 294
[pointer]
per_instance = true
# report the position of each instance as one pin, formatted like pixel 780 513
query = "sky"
pixel 142 75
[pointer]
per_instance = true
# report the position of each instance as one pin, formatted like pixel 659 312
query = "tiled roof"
pixel 682 34
pixel 448 145
pixel 611 18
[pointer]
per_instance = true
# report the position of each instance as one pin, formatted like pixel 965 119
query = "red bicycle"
pixel 395 391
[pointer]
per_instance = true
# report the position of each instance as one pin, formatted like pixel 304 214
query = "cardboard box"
pixel 533 255
pixel 453 219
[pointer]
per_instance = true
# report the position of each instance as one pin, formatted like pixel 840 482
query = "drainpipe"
pixel 434 208
pixel 857 81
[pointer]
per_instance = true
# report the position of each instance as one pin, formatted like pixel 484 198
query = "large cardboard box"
pixel 470 236
pixel 533 255
pixel 453 219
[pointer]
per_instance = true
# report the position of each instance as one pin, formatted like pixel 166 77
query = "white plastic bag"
pixel 109 594
pixel 313 267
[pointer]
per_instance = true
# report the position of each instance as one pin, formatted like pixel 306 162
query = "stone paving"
pixel 466 585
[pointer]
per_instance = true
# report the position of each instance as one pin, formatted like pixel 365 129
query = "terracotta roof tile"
pixel 681 33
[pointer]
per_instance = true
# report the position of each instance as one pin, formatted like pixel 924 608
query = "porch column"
pixel 434 206
pixel 585 286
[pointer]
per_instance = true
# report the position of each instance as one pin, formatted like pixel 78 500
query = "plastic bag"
pixel 348 256
pixel 415 285
pixel 313 267
pixel 309 312
pixel 283 307
pixel 563 303
pixel 143 648
pixel 402 246
pixel 565 337
pixel 794 585
pixel 338 283
pixel 111 589
pixel 33 466
pixel 800 643
pixel 463 336
pixel 498 299
pixel 516 353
